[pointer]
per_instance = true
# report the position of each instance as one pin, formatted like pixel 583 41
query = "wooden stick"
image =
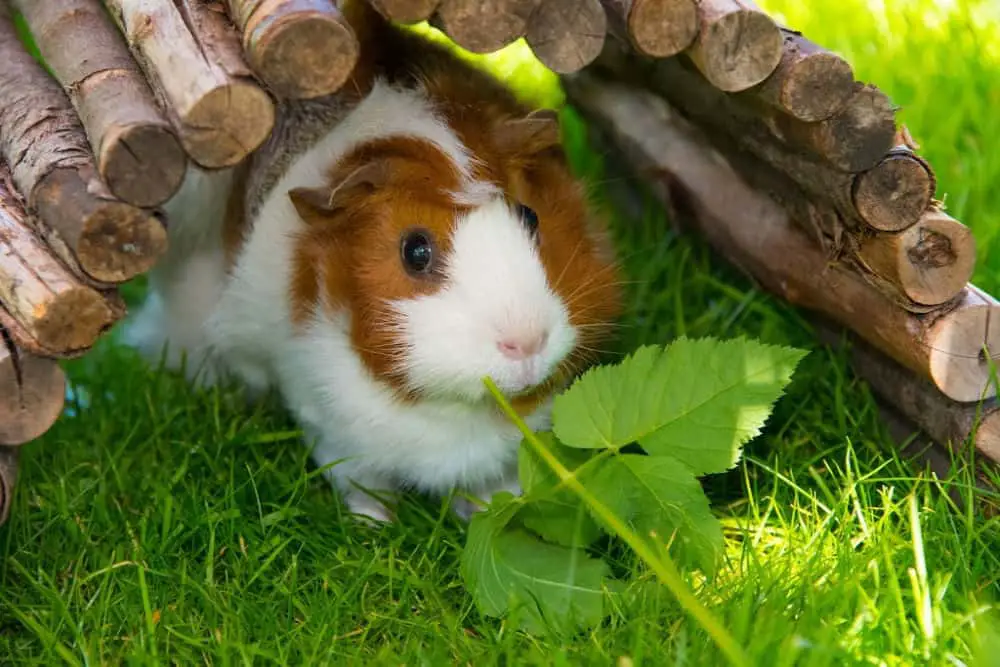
pixel 405 11
pixel 138 156
pixel 9 457
pixel 949 423
pixel 756 234
pixel 896 190
pixel 32 394
pixel 298 48
pixel 810 83
pixel 654 28
pixel 929 262
pixel 52 165
pixel 891 207
pixel 56 310
pixel 852 140
pixel 484 26
pixel 567 35
pixel 192 57
pixel 737 46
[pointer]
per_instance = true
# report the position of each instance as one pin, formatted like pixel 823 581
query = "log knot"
pixel 932 250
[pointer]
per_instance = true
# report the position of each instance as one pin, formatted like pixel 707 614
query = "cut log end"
pixel 227 124
pixel 73 321
pixel 302 54
pixel 567 35
pixel 737 50
pixel 895 193
pixel 142 164
pixel 32 394
pixel 821 85
pixel 964 345
pixel 930 262
pixel 9 459
pixel 484 26
pixel 662 28
pixel 405 11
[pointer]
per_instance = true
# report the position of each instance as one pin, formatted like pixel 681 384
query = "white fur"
pixel 240 324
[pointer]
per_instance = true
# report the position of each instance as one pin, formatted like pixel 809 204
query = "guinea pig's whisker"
pixel 562 274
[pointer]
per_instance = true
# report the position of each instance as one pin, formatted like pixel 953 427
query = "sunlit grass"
pixel 161 525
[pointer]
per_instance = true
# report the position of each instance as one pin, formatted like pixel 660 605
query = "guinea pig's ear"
pixel 532 134
pixel 320 204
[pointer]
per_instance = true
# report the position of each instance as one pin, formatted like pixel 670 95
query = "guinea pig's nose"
pixel 522 346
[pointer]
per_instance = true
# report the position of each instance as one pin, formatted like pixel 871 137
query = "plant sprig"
pixel 690 407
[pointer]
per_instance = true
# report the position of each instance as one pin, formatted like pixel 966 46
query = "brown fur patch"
pixel 350 254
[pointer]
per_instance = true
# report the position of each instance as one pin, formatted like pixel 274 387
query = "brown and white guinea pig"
pixel 387 249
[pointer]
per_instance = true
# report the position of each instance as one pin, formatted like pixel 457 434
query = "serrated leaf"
pixel 661 495
pixel 555 513
pixel 506 566
pixel 697 400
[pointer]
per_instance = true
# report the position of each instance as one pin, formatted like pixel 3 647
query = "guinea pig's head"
pixel 452 270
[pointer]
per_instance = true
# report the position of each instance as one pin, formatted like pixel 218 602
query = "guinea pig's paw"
pixel 465 507
pixel 368 509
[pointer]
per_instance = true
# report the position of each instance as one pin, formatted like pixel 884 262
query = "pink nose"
pixel 517 348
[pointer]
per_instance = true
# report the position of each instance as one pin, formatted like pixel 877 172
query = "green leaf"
pixel 697 400
pixel 661 495
pixel 555 513
pixel 507 568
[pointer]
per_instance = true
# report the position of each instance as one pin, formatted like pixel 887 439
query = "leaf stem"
pixel 664 568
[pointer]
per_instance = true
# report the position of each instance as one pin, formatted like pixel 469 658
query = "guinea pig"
pixel 383 252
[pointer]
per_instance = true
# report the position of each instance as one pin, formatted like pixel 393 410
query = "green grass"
pixel 157 524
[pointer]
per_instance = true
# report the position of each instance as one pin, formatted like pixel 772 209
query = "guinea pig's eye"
pixel 529 218
pixel 417 252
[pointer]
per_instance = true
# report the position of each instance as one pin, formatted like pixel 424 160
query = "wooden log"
pixel 405 11
pixel 654 28
pixel 299 48
pixel 929 262
pixel 138 156
pixel 810 83
pixel 737 46
pixel 567 35
pixel 32 394
pixel 951 424
pixel 854 139
pixel 484 26
pixel 896 190
pixel 55 309
pixel 9 459
pixel 950 346
pixel 41 138
pixel 191 56
pixel 895 204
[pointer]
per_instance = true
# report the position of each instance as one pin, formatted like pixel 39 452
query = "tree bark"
pixel 738 46
pixel 42 140
pixel 852 140
pixel 192 58
pixel 756 234
pixel 810 82
pixel 405 11
pixel 929 262
pixel 9 457
pixel 299 48
pixel 32 393
pixel 654 28
pixel 138 156
pixel 567 35
pixel 56 310
pixel 484 26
